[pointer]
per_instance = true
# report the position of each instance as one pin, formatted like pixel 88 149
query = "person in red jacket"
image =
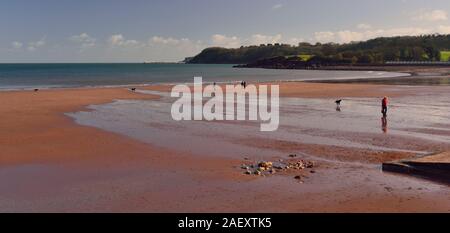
pixel 384 106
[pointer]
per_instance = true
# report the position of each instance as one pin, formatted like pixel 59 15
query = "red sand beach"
pixel 49 163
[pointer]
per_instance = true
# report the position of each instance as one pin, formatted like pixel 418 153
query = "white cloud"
pixel 346 36
pixel 349 36
pixel 17 45
pixel 324 37
pixel 365 31
pixel 32 46
pixel 277 6
pixel 170 43
pixel 132 43
pixel 225 41
pixel 441 29
pixel 156 48
pixel 432 16
pixel 120 41
pixel 257 39
pixel 364 26
pixel 403 31
pixel 168 40
pixel 116 39
pixel 84 39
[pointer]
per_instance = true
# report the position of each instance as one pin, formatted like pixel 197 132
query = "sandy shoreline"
pixel 49 163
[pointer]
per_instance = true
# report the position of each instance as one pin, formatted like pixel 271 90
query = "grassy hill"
pixel 375 51
pixel 445 55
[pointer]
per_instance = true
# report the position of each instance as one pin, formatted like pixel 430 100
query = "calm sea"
pixel 24 76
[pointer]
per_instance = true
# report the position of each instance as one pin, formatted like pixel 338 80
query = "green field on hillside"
pixel 305 57
pixel 445 55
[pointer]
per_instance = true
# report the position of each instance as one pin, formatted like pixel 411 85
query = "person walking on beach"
pixel 384 104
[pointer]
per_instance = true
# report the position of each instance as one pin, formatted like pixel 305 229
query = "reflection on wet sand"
pixel 384 124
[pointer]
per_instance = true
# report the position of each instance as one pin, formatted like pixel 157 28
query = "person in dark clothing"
pixel 384 106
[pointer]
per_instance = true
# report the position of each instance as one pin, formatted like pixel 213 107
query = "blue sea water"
pixel 24 76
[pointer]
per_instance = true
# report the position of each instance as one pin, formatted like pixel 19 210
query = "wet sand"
pixel 330 90
pixel 419 76
pixel 49 163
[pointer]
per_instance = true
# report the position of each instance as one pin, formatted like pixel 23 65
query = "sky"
pixel 169 30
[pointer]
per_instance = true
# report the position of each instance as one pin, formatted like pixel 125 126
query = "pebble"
pixel 266 167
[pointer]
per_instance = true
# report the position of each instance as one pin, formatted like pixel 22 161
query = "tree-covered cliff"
pixel 379 50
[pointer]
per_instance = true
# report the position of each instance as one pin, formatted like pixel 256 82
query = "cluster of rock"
pixel 300 165
pixel 265 168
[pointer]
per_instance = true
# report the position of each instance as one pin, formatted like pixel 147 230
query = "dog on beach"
pixel 133 89
pixel 338 105
pixel 36 90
